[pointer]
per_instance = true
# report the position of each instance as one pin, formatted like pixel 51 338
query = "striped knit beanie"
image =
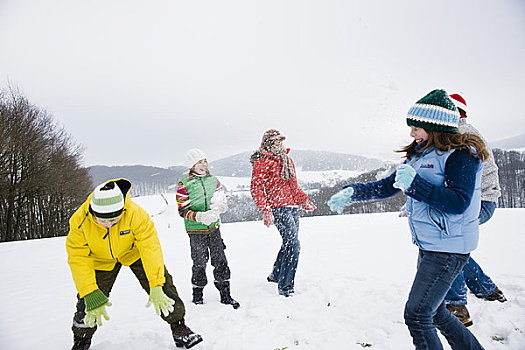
pixel 107 201
pixel 460 103
pixel 436 112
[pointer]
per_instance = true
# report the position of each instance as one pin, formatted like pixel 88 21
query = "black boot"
pixel 183 335
pixel 197 296
pixel 81 343
pixel 224 290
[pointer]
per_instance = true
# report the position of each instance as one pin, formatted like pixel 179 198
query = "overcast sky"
pixel 141 82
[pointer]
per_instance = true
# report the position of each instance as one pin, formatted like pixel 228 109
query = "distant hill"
pixel 144 179
pixel 511 143
pixel 239 164
pixel 148 180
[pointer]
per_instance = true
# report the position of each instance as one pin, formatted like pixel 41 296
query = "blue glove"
pixel 339 200
pixel 404 176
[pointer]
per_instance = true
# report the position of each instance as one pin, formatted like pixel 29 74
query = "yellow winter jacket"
pixel 90 246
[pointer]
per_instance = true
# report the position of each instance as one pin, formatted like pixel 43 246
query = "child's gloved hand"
pixel 339 200
pixel 219 202
pixel 207 217
pixel 267 218
pixel 308 206
pixel 96 303
pixel 404 176
pixel 95 316
pixel 160 301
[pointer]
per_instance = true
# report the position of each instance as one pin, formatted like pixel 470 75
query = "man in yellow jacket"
pixel 108 231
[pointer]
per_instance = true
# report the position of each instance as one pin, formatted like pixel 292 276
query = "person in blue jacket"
pixel 441 178
pixel 472 275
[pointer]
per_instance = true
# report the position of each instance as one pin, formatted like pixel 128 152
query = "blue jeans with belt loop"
pixel 425 309
pixel 472 276
pixel 286 219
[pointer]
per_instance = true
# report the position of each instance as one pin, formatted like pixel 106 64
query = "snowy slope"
pixel 353 279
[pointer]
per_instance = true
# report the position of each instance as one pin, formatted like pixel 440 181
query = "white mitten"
pixel 207 217
pixel 219 202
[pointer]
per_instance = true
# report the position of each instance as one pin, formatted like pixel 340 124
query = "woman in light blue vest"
pixel 441 178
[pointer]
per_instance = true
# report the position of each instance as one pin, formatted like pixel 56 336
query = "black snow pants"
pixel 105 281
pixel 203 247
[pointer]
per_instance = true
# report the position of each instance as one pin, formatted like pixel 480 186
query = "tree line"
pixel 42 181
pixel 511 165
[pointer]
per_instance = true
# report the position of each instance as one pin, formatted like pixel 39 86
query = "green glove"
pixel 96 303
pixel 160 301
pixel 95 316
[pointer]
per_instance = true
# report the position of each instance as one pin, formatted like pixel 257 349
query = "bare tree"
pixel 41 179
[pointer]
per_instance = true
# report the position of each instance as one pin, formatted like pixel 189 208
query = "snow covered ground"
pixel 352 283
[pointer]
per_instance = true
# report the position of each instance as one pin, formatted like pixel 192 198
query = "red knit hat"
pixel 460 103
pixel 270 134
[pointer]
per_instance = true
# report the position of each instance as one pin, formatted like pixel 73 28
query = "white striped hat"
pixel 436 112
pixel 107 201
pixel 460 102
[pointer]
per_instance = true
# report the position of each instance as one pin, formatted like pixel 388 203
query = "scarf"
pixel 287 170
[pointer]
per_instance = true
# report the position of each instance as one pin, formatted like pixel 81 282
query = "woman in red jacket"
pixel 275 191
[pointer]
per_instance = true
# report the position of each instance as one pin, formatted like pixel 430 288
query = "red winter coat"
pixel 269 189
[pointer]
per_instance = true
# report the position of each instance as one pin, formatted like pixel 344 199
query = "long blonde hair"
pixel 445 141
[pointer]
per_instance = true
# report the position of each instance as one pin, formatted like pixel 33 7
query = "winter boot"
pixel 224 290
pixel 497 295
pixel 461 312
pixel 197 296
pixel 183 335
pixel 81 343
pixel 271 279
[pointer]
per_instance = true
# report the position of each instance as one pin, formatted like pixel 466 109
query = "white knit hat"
pixel 107 201
pixel 193 156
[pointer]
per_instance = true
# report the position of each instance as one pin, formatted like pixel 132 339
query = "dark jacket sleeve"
pixel 460 180
pixel 380 189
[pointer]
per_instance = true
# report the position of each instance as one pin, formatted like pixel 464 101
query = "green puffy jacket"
pixel 200 189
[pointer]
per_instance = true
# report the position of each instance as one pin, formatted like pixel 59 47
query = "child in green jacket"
pixel 200 200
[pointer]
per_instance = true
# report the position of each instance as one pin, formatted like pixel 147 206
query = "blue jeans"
pixel 472 275
pixel 425 309
pixel 286 219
